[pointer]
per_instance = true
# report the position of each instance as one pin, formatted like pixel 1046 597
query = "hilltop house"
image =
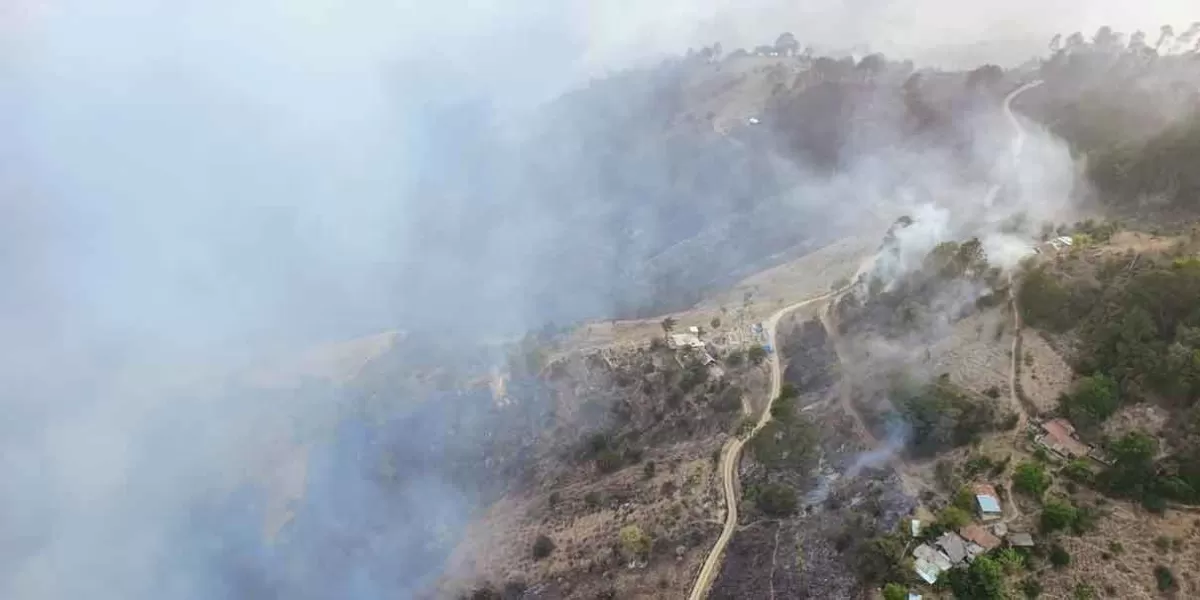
pixel 1058 436
pixel 987 501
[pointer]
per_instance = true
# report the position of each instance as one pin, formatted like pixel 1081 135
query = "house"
pixel 954 547
pixel 1058 436
pixel 929 563
pixel 928 572
pixel 979 536
pixel 987 501
pixel 685 340
pixel 914 527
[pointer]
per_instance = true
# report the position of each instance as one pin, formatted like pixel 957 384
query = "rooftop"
pixel 1060 437
pixel 977 534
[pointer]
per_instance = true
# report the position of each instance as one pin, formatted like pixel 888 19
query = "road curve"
pixel 732 452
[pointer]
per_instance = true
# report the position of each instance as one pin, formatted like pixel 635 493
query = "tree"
pixel 634 542
pixel 1093 400
pixel 1031 478
pixel 1012 560
pixel 983 580
pixel 776 500
pixel 1105 37
pixel 1076 41
pixel 1165 33
pixel 895 591
pixel 872 64
pixel 716 322
pixel 786 44
pixel 1058 515
pixel 757 354
pixel 542 547
pixel 953 517
pixel 1056 43
pixel 668 324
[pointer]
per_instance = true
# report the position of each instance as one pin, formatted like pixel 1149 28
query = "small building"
pixel 954 547
pixel 927 571
pixel 987 501
pixel 1020 540
pixel 1062 242
pixel 976 534
pixel 685 340
pixel 1058 436
pixel 914 527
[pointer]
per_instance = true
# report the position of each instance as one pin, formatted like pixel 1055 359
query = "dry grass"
pixel 1044 373
pixel 1129 573
pixel 497 546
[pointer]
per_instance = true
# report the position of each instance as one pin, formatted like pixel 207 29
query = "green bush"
pixel 776 500
pixel 1092 401
pixel 953 517
pixel 1165 578
pixel 1059 557
pixel 983 580
pixel 1058 515
pixel 1031 478
pixel 542 547
pixel 895 591
pixel 634 542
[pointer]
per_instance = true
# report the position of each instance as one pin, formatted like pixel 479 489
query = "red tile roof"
pixel 979 535
pixel 1061 436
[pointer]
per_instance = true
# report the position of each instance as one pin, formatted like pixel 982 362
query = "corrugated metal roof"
pixel 926 570
pixel 988 504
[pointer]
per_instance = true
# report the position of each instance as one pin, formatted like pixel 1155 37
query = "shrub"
pixel 895 591
pixel 648 469
pixel 1059 557
pixel 1079 470
pixel 1093 400
pixel 1165 578
pixel 983 580
pixel 542 547
pixel 953 517
pixel 1012 560
pixel 634 542
pixel 776 500
pixel 1031 478
pixel 1032 588
pixel 1057 515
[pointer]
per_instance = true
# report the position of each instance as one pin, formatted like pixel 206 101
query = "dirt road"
pixel 732 452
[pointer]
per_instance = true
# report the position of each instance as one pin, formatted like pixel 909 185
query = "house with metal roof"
pixel 987 501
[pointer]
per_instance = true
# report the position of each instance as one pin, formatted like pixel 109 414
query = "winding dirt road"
pixel 731 453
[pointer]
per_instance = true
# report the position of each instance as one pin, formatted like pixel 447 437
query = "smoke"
pixel 185 186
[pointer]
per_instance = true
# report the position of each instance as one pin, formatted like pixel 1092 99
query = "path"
pixel 732 451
